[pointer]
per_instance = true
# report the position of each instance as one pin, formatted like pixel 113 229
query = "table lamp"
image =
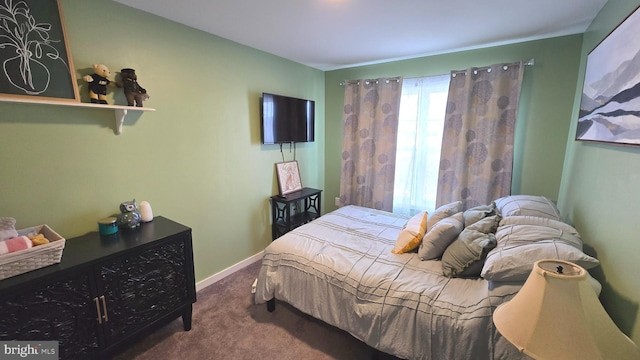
pixel 557 315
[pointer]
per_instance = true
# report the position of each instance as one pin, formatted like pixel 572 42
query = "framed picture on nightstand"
pixel 288 177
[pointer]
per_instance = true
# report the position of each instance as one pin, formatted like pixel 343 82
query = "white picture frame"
pixel 288 175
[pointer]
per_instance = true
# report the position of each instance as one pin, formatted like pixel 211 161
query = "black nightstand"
pixel 282 216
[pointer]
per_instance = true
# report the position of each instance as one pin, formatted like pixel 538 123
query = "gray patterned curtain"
pixel 477 146
pixel 369 142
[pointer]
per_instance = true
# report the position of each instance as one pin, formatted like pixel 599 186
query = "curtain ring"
pixel 489 70
pixel 505 68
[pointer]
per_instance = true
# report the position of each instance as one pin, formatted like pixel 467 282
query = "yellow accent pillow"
pixel 411 234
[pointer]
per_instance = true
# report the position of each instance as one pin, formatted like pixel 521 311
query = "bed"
pixel 344 269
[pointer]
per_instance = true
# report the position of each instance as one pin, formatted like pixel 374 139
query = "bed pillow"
pixel 442 212
pixel 523 205
pixel 523 240
pixel 411 234
pixel 465 256
pixel 477 213
pixel 440 236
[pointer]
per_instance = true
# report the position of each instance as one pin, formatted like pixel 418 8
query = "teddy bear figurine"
pixel 132 90
pixel 98 83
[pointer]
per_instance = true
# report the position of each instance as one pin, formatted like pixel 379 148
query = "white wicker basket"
pixel 23 261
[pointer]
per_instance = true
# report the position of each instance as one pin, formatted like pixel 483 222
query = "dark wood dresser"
pixel 106 291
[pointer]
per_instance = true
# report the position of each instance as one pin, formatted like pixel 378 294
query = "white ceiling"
pixel 333 34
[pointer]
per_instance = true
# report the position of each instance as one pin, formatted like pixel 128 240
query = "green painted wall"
pixel 599 195
pixel 543 118
pixel 197 159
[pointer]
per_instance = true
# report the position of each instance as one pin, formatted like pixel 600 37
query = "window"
pixel 423 105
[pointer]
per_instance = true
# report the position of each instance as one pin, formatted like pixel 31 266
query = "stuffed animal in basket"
pixel 38 239
pixel 130 217
pixel 132 90
pixel 7 228
pixel 98 83
pixel 11 241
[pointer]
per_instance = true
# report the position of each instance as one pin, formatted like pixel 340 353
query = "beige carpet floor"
pixel 228 325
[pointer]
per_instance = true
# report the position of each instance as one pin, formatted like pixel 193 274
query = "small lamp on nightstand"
pixel 557 315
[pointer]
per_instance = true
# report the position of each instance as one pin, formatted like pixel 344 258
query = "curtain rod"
pixel 531 62
pixel 343 83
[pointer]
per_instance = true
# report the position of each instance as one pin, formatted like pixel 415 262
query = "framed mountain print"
pixel 610 104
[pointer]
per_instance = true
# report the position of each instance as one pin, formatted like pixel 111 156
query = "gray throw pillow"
pixel 475 214
pixel 440 236
pixel 443 212
pixel 465 256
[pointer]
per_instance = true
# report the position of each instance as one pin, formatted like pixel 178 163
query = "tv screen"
pixel 287 119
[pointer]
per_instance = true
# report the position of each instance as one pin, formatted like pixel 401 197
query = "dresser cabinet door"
pixel 143 287
pixel 63 310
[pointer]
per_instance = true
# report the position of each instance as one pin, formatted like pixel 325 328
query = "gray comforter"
pixel 340 269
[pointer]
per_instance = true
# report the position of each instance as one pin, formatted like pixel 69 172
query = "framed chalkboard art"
pixel 35 61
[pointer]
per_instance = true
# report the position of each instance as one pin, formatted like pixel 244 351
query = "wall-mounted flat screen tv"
pixel 286 119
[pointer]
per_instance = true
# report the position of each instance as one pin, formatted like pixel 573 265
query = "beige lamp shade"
pixel 557 315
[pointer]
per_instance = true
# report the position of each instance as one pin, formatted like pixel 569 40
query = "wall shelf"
pixel 120 111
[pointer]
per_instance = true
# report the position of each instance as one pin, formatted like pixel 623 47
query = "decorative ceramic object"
pixel 130 217
pixel 145 211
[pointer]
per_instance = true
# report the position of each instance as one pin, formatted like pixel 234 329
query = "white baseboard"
pixel 228 271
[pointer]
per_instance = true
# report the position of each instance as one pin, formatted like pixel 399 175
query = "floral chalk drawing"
pixel 30 53
pixel 288 177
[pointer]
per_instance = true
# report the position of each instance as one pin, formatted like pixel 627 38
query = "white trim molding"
pixel 228 271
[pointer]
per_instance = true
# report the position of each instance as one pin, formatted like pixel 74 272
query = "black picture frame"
pixel 35 61
pixel 610 103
